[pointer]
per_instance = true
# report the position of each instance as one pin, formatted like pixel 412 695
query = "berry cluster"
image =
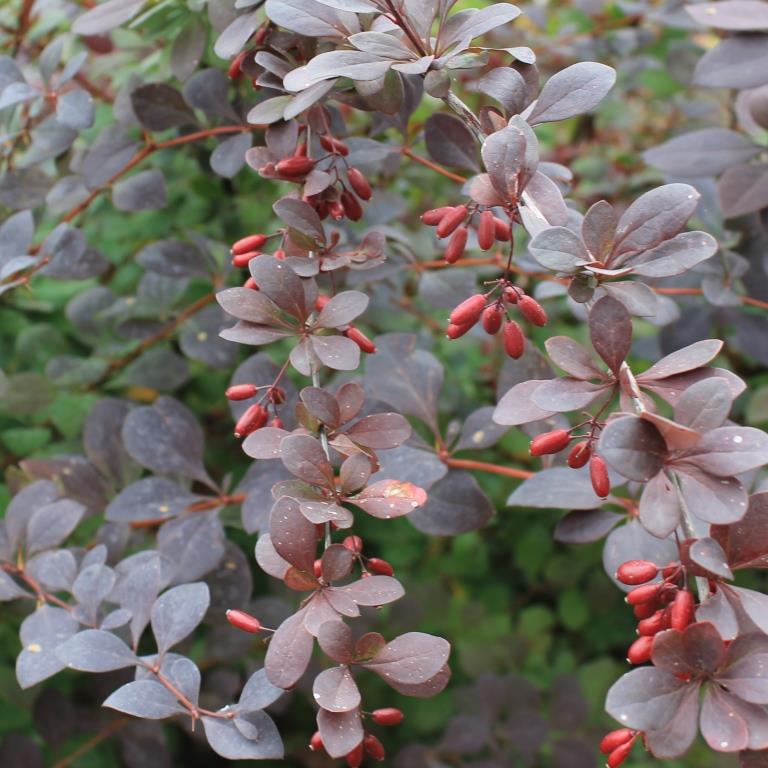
pixel 581 453
pixel 450 221
pixel 493 312
pixel 660 605
pixel 617 745
pixel 256 416
pixel 370 746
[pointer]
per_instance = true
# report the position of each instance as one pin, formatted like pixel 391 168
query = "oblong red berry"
pixel 653 624
pixel 435 215
pixel 454 331
pixel 492 318
pixel 336 210
pixel 379 566
pixel 486 231
pixel 620 754
pixel 514 340
pixel 316 742
pixel 387 716
pixel 532 310
pixel 362 341
pixel 451 220
pixel 644 594
pixel 469 310
pixel 579 455
pixel 637 572
pixel 334 145
pixel 456 245
pixel 295 166
pixel 640 651
pixel 355 757
pixel 502 230
pixel 241 392
pixel 615 739
pixel 598 474
pixel 359 183
pixel 682 610
pixel 246 244
pixel 243 620
pixel 277 423
pixel 241 260
pixel 251 284
pixel 374 748
pixel 510 294
pixel 550 442
pixel 645 610
pixel 255 417
pixel 317 569
pixel 353 544
pixel 351 205
pixel 235 68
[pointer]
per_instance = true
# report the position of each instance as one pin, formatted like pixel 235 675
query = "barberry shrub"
pixel 138 530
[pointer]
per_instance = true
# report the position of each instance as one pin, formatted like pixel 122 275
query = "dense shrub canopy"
pixel 358 358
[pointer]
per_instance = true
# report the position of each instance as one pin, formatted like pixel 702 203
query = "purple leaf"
pixel 721 725
pixel 683 360
pixel 412 658
pixel 337 352
pixel 387 499
pixel 380 431
pixel 228 740
pixel 322 405
pixel 517 406
pixel 293 537
pixel 341 732
pixel 746 542
pixel 566 394
pixel 705 405
pixel 585 526
pixel 697 650
pixel 575 360
pixel 503 156
pixel 335 690
pixel 280 284
pixel 177 612
pixel 555 488
pixel 289 652
pixel 729 451
pixel 573 91
pixel 305 458
pixel 335 639
pixel 94 650
pixel 336 562
pixel 633 447
pixel 145 698
pixel 374 591
pixel 610 329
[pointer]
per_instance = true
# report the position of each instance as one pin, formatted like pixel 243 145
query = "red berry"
pixel 579 455
pixel 468 311
pixel 295 167
pixel 434 216
pixel 243 620
pixel 316 742
pixel 637 572
pixel 653 624
pixel 532 310
pixel 255 417
pixel 355 757
pixel 277 423
pixel 279 254
pixel 241 392
pixel 454 331
pixel 645 610
pixel 486 231
pixel 246 244
pixel 352 207
pixel 359 183
pixel 502 230
pixel 317 568
pixel 514 340
pixel 241 260
pixel 251 283
pixel 598 474
pixel 353 544
pixel 362 341
pixel 550 442
pixel 456 245
pixel 334 145
pixel 321 301
pixel 511 294
pixel 643 594
pixel 620 754
pixel 336 210
pixel 493 317
pixel 451 220
pixel 301 149
pixel 236 66
pixel 387 716
pixel 379 566
pixel 682 610
pixel 640 651
pixel 616 739
pixel 374 748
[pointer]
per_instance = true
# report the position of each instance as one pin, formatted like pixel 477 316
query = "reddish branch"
pixel 105 733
